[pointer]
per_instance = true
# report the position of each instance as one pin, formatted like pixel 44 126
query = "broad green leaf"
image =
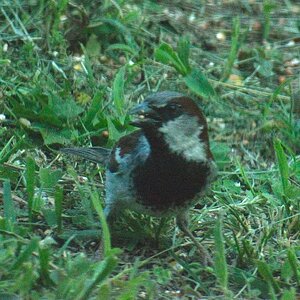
pixel 221 154
pixel 49 178
pixel 65 108
pixel 166 55
pixel 53 136
pixel 198 83
pixel 50 216
pixel 93 48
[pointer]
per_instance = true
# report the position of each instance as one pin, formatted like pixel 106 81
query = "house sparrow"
pixel 164 167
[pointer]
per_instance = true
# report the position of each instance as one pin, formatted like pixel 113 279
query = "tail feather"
pixel 95 154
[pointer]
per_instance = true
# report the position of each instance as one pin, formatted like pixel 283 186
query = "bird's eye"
pixel 175 106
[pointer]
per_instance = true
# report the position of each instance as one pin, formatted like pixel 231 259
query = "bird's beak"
pixel 144 115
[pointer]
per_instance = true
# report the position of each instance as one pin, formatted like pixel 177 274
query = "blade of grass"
pixel 289 295
pixel 183 50
pixel 294 264
pixel 9 207
pixel 44 259
pixel 233 50
pixel 282 165
pixel 118 90
pixel 267 10
pixel 104 225
pixel 266 274
pixel 220 265
pixel 87 66
pixel 93 109
pixel 27 252
pixel 30 183
pixel 5 148
pixel 245 178
pixel 102 271
pixel 58 198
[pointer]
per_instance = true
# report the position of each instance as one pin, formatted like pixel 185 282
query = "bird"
pixel 163 168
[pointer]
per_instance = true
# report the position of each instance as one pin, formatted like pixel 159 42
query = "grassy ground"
pixel 69 73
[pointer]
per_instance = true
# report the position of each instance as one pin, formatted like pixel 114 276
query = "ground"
pixel 69 74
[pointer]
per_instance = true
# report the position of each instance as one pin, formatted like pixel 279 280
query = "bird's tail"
pixel 96 154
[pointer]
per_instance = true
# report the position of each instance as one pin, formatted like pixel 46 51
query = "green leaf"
pixel 282 164
pixel 27 252
pixel 233 49
pixel 118 90
pixel 49 178
pixel 286 271
pixel 220 264
pixel 289 295
pixel 114 133
pixel 266 274
pixel 44 259
pixel 53 136
pixel 93 109
pixel 221 153
pixel 292 258
pixel 163 275
pixel 9 207
pixel 102 271
pixel 93 48
pixel 166 55
pixel 115 26
pixel 198 83
pixel 30 183
pixel 106 233
pixel 88 66
pixel 183 50
pixel 50 216
pixel 65 108
pixel 264 67
pixel 58 198
pixel 122 47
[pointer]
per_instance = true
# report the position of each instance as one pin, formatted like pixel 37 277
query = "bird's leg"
pixel 182 221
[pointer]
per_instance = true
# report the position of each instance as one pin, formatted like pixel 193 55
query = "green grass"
pixel 69 74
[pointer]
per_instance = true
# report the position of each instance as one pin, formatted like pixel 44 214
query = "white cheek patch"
pixel 182 137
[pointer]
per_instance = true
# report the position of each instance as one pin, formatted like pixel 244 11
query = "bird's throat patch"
pixel 182 135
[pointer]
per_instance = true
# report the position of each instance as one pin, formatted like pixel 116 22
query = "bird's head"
pixel 178 120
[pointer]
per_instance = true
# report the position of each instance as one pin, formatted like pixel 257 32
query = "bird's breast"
pixel 168 182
